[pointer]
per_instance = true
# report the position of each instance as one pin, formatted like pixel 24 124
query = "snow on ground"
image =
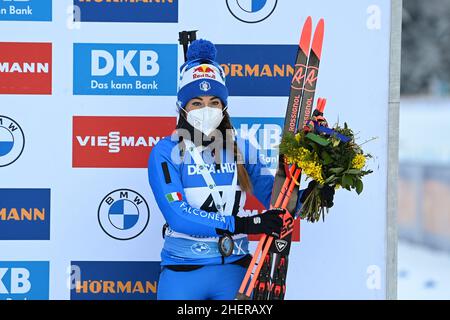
pixel 423 273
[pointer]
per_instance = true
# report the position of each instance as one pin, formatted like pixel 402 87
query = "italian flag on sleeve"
pixel 174 196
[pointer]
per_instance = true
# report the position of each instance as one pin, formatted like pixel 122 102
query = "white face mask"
pixel 205 119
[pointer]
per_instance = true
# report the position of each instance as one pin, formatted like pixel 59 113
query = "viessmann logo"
pixel 24 214
pixel 128 10
pixel 26 10
pixel 117 142
pixel 125 69
pixel 116 280
pixel 25 68
pixel 258 70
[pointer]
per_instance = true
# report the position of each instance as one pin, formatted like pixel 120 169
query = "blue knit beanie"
pixel 201 75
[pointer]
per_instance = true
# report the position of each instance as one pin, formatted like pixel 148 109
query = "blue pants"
pixel 215 282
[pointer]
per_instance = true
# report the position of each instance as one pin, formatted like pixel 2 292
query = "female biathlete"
pixel 200 176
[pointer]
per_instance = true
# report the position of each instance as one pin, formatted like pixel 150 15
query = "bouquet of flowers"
pixel 331 157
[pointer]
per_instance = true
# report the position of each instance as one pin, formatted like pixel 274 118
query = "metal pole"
pixel 393 136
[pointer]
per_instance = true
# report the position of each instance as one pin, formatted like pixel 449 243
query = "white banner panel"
pixel 82 103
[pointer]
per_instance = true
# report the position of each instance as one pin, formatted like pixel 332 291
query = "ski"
pixel 293 106
pixel 281 247
pixel 272 256
pixel 264 280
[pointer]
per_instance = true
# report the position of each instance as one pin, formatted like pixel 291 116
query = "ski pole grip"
pixel 185 38
pixel 321 103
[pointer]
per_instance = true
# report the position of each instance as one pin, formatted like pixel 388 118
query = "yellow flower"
pixel 358 162
pixel 308 162
pixel 337 186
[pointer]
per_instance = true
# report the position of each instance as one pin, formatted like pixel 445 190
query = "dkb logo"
pixel 125 69
pixel 263 135
pixel 24 280
pixel 26 10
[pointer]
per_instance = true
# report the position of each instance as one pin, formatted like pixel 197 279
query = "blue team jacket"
pixel 187 205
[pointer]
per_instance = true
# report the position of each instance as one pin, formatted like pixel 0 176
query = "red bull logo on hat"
pixel 204 71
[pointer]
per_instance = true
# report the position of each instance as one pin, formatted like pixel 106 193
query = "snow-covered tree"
pixel 426 47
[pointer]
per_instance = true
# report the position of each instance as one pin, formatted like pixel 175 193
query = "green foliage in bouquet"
pixel 328 161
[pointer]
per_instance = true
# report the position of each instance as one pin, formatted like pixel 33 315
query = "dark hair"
pixel 243 177
pixel 227 130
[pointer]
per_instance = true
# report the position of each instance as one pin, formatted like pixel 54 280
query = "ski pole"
pixel 268 243
pixel 265 242
pixel 264 236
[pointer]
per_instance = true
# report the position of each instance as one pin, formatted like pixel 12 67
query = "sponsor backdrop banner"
pixel 87 88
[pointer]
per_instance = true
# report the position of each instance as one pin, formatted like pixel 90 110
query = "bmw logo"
pixel 251 11
pixel 12 141
pixel 123 214
pixel 200 248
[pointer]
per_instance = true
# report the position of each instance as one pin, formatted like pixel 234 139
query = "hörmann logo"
pixel 24 214
pixel 128 10
pixel 25 68
pixel 125 69
pixel 118 280
pixel 26 10
pixel 117 142
pixel 24 280
pixel 258 70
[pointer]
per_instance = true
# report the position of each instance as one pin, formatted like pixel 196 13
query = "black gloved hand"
pixel 269 222
pixel 326 194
